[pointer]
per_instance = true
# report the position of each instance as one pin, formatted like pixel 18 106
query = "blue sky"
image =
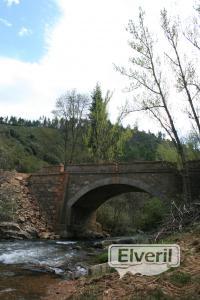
pixel 23 25
pixel 50 46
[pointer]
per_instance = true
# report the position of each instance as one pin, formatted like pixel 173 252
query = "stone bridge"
pixel 70 198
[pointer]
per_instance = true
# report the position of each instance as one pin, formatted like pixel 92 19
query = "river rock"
pixel 15 234
pixel 25 235
pixel 98 245
pixel 125 241
pixel 9 226
pixel 89 234
pixel 32 231
pixel 76 247
pixel 45 235
pixel 21 219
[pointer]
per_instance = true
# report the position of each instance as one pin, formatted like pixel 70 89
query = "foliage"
pixel 114 216
pixel 27 149
pixel 102 258
pixel 105 141
pixel 152 214
pixel 30 148
pixel 99 131
pixel 142 146
pixel 167 151
pixel 127 213
pixel 180 278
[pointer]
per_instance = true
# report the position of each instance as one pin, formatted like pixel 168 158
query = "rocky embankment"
pixel 20 215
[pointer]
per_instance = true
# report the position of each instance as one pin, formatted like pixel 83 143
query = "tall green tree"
pixel 99 125
pixel 104 140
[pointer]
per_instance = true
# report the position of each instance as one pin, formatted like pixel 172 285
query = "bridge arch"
pixel 81 207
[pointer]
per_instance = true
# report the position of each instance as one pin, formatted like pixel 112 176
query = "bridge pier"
pixel 87 227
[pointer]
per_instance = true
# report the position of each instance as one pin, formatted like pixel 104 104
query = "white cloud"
pixel 82 48
pixel 11 2
pixel 5 22
pixel 24 32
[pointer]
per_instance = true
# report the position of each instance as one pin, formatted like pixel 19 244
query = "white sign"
pixel 146 259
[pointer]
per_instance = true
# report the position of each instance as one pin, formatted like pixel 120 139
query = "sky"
pixel 50 46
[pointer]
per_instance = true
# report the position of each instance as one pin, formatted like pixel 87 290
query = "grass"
pixel 157 294
pixel 101 258
pixel 180 278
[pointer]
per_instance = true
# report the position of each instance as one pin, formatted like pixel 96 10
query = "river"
pixel 28 268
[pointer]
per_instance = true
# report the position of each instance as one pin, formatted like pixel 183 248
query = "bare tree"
pixel 71 108
pixel 186 79
pixel 146 75
pixel 192 34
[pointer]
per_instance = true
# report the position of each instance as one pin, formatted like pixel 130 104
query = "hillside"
pixel 27 149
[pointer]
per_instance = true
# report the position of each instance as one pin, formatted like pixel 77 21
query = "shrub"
pixel 180 278
pixel 102 258
pixel 51 159
pixel 14 133
pixel 152 214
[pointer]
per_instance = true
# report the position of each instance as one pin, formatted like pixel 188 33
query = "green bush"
pixel 152 214
pixel 14 133
pixel 51 159
pixel 124 214
pixel 180 278
pixel 102 258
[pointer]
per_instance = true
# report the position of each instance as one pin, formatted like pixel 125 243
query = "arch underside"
pixel 89 198
pixel 96 197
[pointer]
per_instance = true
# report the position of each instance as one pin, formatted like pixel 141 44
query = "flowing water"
pixel 27 268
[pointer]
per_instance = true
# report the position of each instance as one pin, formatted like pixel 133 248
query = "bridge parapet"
pixel 51 169
pixel 133 167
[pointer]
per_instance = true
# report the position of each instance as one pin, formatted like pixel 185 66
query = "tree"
pixel 142 145
pixel 192 33
pixel 71 109
pixel 105 140
pixel 146 75
pixel 99 126
pixel 185 73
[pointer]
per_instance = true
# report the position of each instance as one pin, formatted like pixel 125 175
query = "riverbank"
pixel 177 283
pixel 20 215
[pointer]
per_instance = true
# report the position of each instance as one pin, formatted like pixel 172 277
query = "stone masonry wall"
pixel 48 187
